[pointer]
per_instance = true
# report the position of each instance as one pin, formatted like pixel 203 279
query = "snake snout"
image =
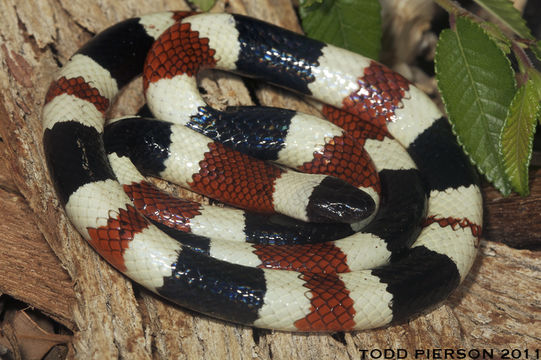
pixel 337 201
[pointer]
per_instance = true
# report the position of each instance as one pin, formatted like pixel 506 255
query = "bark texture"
pixel 46 264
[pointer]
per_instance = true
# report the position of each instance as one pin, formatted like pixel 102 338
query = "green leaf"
pixel 497 35
pixel 517 135
pixel 203 5
pixel 535 76
pixel 508 14
pixel 352 24
pixel 536 49
pixel 308 3
pixel 477 84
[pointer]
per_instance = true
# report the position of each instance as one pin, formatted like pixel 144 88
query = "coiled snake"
pixel 392 238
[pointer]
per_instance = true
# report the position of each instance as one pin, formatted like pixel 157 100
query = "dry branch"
pixel 498 306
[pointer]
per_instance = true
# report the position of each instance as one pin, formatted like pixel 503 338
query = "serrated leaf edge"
pixel 525 191
pixel 505 189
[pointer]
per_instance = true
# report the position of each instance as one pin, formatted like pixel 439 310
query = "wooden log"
pixel 514 220
pixel 30 272
pixel 497 307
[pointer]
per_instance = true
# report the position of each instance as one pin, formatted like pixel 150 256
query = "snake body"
pixel 329 287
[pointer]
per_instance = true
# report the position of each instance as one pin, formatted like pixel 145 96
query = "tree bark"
pixel 45 262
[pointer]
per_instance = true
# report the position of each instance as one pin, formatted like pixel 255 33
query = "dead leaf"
pixel 28 337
